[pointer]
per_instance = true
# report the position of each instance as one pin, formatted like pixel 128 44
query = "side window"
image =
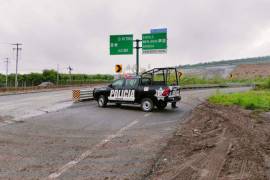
pixel 131 83
pixel 146 82
pixel 118 84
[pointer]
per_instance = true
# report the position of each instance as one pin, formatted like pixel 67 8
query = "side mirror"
pixel 110 85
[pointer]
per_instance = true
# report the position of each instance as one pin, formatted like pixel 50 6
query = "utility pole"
pixel 17 61
pixel 57 79
pixel 7 62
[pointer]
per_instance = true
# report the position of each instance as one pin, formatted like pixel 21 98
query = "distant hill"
pixel 235 62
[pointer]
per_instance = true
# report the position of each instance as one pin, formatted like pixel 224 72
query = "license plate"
pixel 175 93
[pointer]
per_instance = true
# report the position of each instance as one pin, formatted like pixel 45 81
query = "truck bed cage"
pixel 158 69
pixel 162 76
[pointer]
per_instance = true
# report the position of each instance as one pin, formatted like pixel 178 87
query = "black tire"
pixel 161 105
pixel 118 104
pixel 147 105
pixel 102 101
pixel 174 105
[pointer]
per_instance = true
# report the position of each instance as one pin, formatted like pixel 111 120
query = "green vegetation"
pixel 254 99
pixel 249 100
pixel 34 79
pixel 263 85
pixel 193 80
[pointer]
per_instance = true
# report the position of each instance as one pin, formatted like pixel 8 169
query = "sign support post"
pixel 137 55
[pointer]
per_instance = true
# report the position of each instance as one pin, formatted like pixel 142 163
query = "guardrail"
pixel 49 87
pixel 81 95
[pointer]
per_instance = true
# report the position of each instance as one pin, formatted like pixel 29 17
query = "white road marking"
pixel 148 114
pixel 87 153
pixel 158 123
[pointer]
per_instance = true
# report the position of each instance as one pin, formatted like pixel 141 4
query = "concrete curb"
pixel 50 90
pixel 215 86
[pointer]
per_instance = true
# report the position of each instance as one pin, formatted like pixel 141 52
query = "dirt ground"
pixel 218 142
pixel 246 71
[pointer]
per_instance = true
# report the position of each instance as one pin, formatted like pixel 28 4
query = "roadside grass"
pixel 194 80
pixel 253 100
pixel 263 85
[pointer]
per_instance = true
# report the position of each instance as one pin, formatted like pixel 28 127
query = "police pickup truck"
pixel 156 87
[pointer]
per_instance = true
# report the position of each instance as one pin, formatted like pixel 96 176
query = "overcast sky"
pixel 76 32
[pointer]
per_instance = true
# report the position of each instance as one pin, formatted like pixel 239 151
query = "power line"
pixel 4 43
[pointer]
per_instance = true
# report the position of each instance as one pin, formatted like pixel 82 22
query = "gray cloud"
pixel 76 33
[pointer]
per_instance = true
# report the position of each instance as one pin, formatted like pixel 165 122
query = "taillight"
pixel 166 91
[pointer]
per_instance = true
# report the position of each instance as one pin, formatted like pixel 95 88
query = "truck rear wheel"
pixel 102 101
pixel 147 105
pixel 161 105
pixel 174 105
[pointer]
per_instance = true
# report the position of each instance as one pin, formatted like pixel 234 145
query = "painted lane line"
pixel 87 153
pixel 159 123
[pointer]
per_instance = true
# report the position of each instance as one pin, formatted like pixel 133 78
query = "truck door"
pixel 131 89
pixel 115 92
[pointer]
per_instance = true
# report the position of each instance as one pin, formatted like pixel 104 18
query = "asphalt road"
pixel 22 106
pixel 82 141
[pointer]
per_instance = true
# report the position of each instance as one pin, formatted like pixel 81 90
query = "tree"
pixel 49 75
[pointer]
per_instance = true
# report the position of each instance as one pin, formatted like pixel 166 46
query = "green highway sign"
pixel 121 44
pixel 154 43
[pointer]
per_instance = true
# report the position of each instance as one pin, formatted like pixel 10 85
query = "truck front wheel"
pixel 147 105
pixel 102 101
